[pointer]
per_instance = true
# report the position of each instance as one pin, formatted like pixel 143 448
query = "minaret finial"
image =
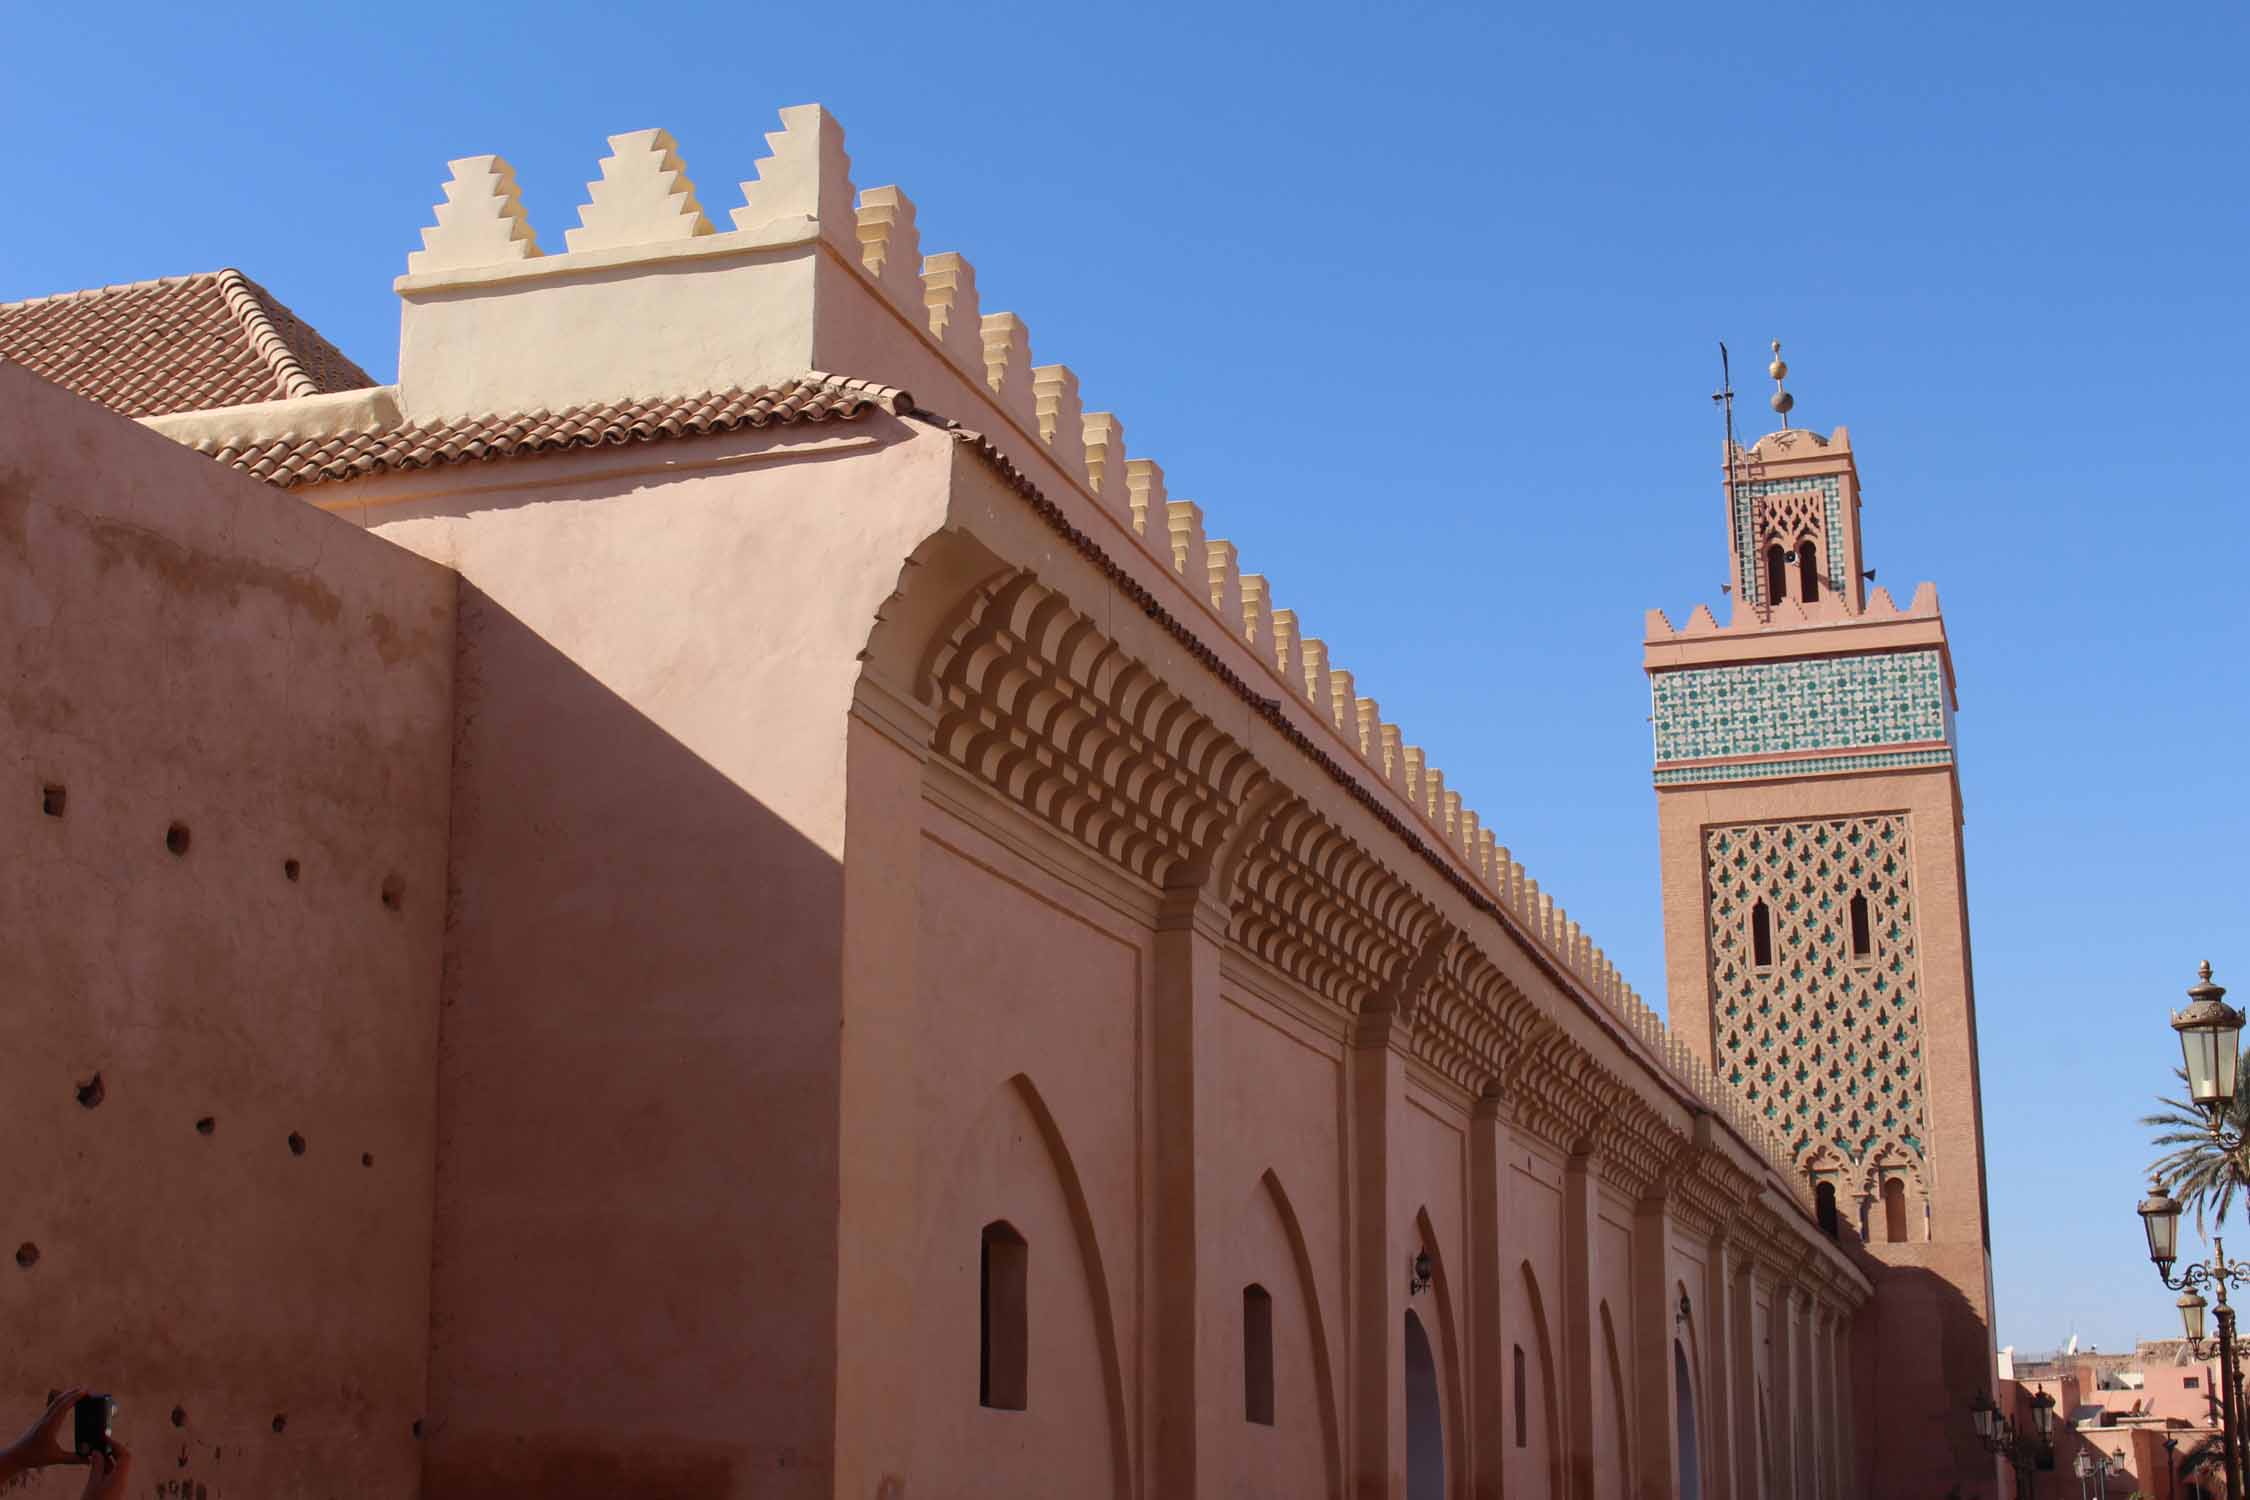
pixel 1782 400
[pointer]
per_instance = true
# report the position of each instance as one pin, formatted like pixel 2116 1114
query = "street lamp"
pixel 1998 1435
pixel 2210 1032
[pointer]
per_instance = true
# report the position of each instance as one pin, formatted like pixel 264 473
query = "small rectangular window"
pixel 1003 1353
pixel 2192 1382
pixel 1257 1355
pixel 1522 1427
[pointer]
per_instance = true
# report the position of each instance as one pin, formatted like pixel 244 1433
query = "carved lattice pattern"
pixel 1826 1043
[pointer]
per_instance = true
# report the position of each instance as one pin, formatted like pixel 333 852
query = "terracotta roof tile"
pixel 289 462
pixel 183 343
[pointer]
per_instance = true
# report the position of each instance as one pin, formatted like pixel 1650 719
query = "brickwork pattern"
pixel 1824 1042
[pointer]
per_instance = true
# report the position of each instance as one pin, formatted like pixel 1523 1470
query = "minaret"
pixel 1816 929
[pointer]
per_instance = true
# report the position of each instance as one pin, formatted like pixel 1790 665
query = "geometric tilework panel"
pixel 1749 575
pixel 1822 703
pixel 1826 1043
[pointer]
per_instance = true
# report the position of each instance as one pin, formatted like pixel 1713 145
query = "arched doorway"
pixel 1425 1429
pixel 1691 1457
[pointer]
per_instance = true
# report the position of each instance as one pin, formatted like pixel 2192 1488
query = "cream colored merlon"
pixel 1314 682
pixel 1411 758
pixel 1371 737
pixel 1061 416
pixel 1257 615
pixel 1225 574
pixel 890 248
pixel 1433 796
pixel 1288 650
pixel 1007 365
pixel 480 223
pixel 1343 705
pixel 1394 756
pixel 1449 818
pixel 1144 483
pixel 1472 848
pixel 804 175
pixel 1183 523
pixel 949 303
pixel 1104 439
pixel 643 197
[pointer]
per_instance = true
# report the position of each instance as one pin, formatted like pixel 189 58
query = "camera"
pixel 91 1420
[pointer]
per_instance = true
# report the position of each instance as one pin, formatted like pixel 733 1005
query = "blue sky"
pixel 1421 304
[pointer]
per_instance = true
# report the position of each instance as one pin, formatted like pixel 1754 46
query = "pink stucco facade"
pixel 915 978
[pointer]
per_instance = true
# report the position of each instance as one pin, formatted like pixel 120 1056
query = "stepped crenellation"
pixel 644 204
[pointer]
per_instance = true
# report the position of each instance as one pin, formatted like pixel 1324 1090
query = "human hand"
pixel 108 1474
pixel 43 1442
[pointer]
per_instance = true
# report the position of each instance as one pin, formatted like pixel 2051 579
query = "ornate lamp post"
pixel 1999 1436
pixel 2210 1033
pixel 2094 1467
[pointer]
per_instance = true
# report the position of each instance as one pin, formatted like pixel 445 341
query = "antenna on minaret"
pixel 1724 396
pixel 1782 400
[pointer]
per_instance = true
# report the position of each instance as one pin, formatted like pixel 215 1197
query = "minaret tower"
pixel 1815 922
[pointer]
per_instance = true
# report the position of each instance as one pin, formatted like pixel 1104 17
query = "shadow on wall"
pixel 635 1234
pixel 1920 1351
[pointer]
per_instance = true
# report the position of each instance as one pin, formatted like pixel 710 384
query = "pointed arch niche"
pixel 1067 1433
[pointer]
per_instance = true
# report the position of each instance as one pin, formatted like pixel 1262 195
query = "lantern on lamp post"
pixel 2210 1045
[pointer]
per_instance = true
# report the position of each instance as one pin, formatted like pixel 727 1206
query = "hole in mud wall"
pixel 296 1144
pixel 52 798
pixel 91 1093
pixel 206 1125
pixel 394 891
pixel 367 1158
pixel 27 1255
pixel 417 1426
pixel 177 838
pixel 279 1421
pixel 179 1416
pixel 290 869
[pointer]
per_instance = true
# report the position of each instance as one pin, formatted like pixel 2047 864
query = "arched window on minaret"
pixel 1808 573
pixel 1777 574
pixel 1761 936
pixel 1824 1207
pixel 1863 942
pixel 1894 1210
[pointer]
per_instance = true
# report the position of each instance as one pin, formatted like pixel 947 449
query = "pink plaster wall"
pixel 184 645
pixel 1029 1007
pixel 636 1230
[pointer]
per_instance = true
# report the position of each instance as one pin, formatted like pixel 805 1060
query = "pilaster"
pixel 877 1205
pixel 1188 1403
pixel 1653 1329
pixel 1489 1148
pixel 1579 1208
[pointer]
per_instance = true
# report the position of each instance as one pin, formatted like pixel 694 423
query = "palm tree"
pixel 2202 1174
pixel 2203 1467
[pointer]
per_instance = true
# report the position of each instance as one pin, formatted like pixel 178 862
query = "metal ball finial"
pixel 1781 401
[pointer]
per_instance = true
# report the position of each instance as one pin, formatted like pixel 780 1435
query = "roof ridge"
pixel 247 300
pixel 286 461
pixel 102 291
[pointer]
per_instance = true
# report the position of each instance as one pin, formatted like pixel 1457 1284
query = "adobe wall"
pixel 637 1242
pixel 225 738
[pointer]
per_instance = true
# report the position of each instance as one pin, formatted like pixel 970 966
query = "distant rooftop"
pixel 182 343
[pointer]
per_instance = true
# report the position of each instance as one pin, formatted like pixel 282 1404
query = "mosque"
pixel 715 893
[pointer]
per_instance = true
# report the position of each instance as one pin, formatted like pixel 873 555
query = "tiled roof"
pixel 183 343
pixel 814 397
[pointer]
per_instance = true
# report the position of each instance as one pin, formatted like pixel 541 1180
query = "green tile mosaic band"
pixel 1776 708
pixel 1752 770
